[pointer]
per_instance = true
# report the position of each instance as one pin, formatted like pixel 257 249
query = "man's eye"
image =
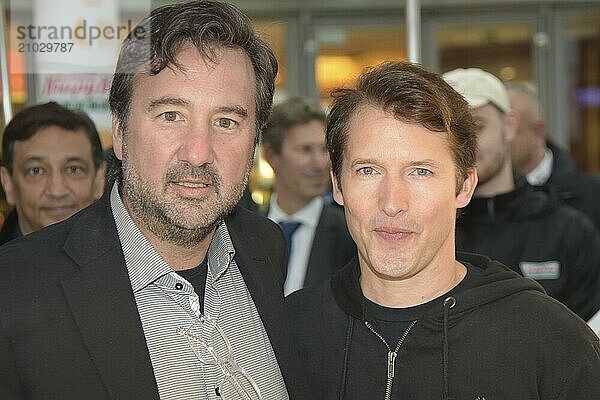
pixel 422 171
pixel 171 116
pixel 74 169
pixel 226 123
pixel 35 171
pixel 366 171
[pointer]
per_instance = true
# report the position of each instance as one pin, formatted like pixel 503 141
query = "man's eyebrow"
pixel 425 163
pixel 361 161
pixel 239 110
pixel 166 101
pixel 76 159
pixel 36 158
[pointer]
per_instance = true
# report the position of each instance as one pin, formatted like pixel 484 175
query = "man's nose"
pixel 197 146
pixel 393 196
pixel 57 185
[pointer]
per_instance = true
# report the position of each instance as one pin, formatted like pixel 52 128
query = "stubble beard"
pixel 170 221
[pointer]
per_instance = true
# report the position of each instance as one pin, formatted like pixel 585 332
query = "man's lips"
pixel 189 184
pixel 59 209
pixel 192 188
pixel 393 233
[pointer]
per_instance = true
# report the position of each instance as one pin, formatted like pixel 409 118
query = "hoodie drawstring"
pixel 449 302
pixel 349 330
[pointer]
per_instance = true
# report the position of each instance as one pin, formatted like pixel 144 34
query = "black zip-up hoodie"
pixel 501 338
pixel 535 234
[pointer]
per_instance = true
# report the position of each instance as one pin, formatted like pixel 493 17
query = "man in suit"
pixel 52 167
pixel 162 288
pixel 318 240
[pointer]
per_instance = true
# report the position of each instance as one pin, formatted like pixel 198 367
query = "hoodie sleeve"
pixel 583 382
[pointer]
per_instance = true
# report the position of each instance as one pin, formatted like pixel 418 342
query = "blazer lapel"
pixel 101 300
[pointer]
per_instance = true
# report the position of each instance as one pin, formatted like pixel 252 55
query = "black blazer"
pixel 69 326
pixel 10 230
pixel 332 246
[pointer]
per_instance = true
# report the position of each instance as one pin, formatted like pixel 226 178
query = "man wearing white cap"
pixel 529 230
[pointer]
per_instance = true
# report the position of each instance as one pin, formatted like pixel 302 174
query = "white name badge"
pixel 540 270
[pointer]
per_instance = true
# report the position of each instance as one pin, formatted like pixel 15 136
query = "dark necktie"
pixel 289 228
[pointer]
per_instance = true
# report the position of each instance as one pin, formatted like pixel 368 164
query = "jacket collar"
pixel 346 289
pixel 492 282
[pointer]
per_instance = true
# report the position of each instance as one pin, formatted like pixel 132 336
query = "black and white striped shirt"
pixel 167 302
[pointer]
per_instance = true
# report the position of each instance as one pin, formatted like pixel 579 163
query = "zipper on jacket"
pixel 391 356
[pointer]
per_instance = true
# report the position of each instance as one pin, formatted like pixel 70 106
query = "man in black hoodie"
pixel 407 318
pixel 531 231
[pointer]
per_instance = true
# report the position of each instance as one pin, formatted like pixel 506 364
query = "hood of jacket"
pixel 491 282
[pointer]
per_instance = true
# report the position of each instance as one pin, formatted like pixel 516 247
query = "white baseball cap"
pixel 478 87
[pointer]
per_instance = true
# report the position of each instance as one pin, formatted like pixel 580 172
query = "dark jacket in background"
pixel 533 227
pixel 69 324
pixel 332 246
pixel 10 229
pixel 576 188
pixel 505 340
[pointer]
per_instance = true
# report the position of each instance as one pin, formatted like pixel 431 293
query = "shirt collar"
pixel 220 252
pixel 144 264
pixel 309 215
pixel 540 174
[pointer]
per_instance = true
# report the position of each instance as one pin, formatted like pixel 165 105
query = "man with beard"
pixel 316 233
pixel 531 231
pixel 162 289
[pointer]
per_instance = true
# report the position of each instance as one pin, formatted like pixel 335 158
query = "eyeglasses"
pixel 236 383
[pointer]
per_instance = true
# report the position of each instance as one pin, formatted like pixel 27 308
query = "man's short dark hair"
pixel 155 42
pixel 413 95
pixel 28 122
pixel 292 112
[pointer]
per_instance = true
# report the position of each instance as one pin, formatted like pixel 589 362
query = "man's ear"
pixel 336 190
pixel 467 189
pixel 99 180
pixel 539 127
pixel 271 156
pixel 8 186
pixel 117 137
pixel 511 124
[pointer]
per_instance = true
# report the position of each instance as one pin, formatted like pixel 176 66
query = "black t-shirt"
pixel 391 323
pixel 197 277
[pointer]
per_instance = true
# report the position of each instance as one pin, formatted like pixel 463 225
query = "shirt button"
pixel 179 286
